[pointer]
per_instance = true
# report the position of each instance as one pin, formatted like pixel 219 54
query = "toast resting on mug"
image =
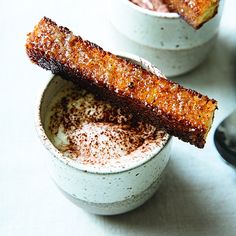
pixel 194 12
pixel 151 97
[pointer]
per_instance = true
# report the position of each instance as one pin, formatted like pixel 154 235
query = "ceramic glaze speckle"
pixel 129 203
pixel 107 191
pixel 163 38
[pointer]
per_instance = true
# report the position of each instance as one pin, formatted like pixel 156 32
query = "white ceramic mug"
pixel 101 192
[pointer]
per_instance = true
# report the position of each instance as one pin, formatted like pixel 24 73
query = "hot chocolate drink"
pixel 94 133
pixel 153 5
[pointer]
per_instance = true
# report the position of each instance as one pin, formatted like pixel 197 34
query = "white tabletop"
pixel 198 195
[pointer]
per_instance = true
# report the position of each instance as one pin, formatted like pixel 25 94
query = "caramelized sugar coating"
pixel 151 97
pixel 195 12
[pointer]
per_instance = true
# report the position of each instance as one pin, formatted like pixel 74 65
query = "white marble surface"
pixel 199 193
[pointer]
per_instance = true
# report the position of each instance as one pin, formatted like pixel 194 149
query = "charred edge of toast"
pixel 191 15
pixel 153 115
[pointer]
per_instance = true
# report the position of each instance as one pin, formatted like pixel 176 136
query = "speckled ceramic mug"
pixel 102 192
pixel 164 39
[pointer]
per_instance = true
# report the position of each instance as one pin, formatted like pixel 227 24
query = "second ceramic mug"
pixel 164 39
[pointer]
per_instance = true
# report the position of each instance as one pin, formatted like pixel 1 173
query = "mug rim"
pixel 75 164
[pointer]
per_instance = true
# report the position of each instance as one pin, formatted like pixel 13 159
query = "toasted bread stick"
pixel 151 97
pixel 194 12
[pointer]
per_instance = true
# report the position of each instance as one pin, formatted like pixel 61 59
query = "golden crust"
pixel 181 112
pixel 194 12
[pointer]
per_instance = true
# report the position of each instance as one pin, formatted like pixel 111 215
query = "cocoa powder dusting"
pixel 153 5
pixel 96 133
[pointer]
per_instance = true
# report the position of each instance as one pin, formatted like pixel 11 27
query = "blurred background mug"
pixel 163 38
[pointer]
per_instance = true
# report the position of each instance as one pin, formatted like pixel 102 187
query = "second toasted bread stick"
pixel 194 12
